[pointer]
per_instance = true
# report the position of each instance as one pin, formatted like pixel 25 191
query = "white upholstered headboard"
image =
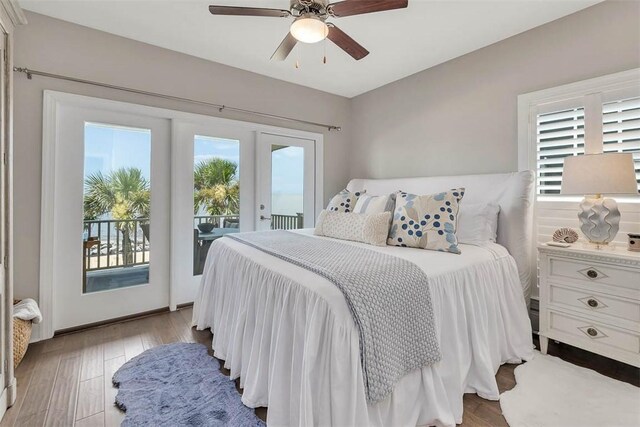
pixel 512 191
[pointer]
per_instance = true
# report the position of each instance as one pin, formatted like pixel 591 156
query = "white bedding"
pixel 288 334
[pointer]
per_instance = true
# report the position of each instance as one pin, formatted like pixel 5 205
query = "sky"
pixel 205 148
pixel 108 148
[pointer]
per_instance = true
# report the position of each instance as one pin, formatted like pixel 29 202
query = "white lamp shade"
pixel 607 173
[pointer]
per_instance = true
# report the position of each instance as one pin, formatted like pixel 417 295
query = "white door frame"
pixel 52 101
pixel 11 16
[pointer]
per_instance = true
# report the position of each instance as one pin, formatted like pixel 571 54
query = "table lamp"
pixel 591 176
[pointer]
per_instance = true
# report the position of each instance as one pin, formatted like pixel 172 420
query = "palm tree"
pixel 124 195
pixel 216 187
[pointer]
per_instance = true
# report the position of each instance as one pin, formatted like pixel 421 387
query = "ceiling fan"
pixel 310 24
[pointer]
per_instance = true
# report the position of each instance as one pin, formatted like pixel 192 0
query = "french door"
pixel 110 216
pixel 286 185
pixel 213 195
pixel 134 197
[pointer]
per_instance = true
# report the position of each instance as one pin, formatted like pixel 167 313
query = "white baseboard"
pixel 35 333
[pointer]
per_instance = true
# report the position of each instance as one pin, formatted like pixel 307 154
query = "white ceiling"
pixel 401 42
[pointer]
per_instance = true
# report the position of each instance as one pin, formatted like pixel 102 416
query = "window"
pixel 589 117
pixel 560 134
pixel 621 129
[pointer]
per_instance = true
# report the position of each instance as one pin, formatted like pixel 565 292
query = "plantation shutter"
pixel 559 134
pixel 621 129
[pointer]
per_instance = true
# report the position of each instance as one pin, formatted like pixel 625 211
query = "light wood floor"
pixel 66 381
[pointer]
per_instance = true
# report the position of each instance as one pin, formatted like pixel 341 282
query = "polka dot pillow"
pixel 427 222
pixel 344 201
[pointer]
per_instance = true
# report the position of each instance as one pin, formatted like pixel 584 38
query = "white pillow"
pixel 369 204
pixel 478 223
pixel 366 228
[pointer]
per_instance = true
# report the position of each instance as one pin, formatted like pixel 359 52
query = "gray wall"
pixel 60 47
pixel 460 117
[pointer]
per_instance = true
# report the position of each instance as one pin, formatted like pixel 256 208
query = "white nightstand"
pixel 590 298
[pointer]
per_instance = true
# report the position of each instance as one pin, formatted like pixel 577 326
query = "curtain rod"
pixel 220 107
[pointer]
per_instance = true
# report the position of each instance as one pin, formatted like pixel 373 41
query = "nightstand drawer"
pixel 588 302
pixel 593 272
pixel 594 333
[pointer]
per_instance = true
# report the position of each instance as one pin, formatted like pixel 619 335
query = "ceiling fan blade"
pixel 285 48
pixel 346 43
pixel 358 7
pixel 248 11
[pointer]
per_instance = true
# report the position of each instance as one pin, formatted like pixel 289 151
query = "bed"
pixel 289 336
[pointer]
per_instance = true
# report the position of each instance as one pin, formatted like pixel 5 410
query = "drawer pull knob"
pixel 592 332
pixel 592 273
pixel 592 303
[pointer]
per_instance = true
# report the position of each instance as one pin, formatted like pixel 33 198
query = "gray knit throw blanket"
pixel 389 299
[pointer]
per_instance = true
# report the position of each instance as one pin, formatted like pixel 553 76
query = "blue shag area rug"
pixel 179 385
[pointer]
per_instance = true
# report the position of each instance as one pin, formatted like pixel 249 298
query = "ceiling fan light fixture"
pixel 309 28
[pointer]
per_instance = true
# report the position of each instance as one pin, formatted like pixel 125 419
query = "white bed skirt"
pixel 297 352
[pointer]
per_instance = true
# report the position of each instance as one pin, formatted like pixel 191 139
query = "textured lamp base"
pixel 599 219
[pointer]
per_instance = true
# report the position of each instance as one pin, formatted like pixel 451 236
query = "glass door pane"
pixel 287 187
pixel 213 195
pixel 116 206
pixel 216 193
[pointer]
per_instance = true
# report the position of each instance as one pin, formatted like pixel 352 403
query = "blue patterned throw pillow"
pixel 344 201
pixel 427 222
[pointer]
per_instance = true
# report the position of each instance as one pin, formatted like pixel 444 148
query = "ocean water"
pixel 286 204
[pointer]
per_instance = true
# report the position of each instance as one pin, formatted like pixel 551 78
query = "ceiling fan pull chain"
pixel 324 46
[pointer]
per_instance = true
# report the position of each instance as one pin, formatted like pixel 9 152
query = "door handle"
pixel 265 218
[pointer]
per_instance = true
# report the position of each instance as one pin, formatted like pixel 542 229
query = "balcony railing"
pixel 286 222
pixel 116 243
pixel 278 222
pixel 125 243
pixel 219 221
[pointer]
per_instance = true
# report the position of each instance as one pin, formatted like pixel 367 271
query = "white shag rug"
pixel 553 393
